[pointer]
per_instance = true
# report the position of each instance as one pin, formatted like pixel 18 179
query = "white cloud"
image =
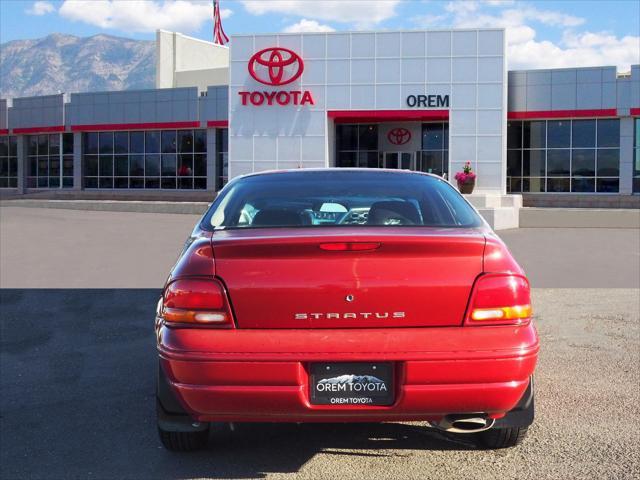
pixel 574 49
pixel 40 8
pixel 142 15
pixel 362 13
pixel 304 26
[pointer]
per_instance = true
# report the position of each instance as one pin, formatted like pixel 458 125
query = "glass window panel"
pixel 583 184
pixel 13 146
pixel 368 137
pixel 583 162
pixel 90 182
pixel 222 138
pixel 121 142
pixel 514 135
pixel 13 183
pixel 185 141
pixel 514 163
pixel 67 182
pixel 608 162
pixel 431 162
pixel 534 134
pixel 169 141
pixel 33 166
pixel 106 182
pixel 4 167
pixel 445 135
pixel 583 133
pixel 169 165
pixel 136 182
pixel 54 144
pixel 32 182
pixel 516 184
pixel 43 166
pixel 4 146
pixel 558 185
pixel 347 137
pixel 200 183
pixel 368 159
pixel 54 182
pixel 106 143
pixel 43 182
pixel 168 182
pixel 534 185
pixel 607 185
pixel 67 143
pixel 121 165
pixel 533 163
pixel 4 182
pixel 33 145
pixel 121 182
pixel 91 165
pixel 609 133
pixel 136 142
pixel 152 142
pixel 185 183
pixel 151 165
pixel 200 165
pixel 200 141
pixel 185 165
pixel 432 136
pixel 347 159
pixel 91 143
pixel 43 144
pixel 54 166
pixel 558 133
pixel 151 183
pixel 106 166
pixel 558 162
pixel 13 167
pixel 136 165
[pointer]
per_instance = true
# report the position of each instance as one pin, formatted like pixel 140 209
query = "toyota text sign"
pixel 275 67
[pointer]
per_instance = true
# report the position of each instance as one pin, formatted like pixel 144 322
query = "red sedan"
pixel 345 295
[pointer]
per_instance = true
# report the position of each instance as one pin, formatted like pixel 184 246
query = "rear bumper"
pixel 262 375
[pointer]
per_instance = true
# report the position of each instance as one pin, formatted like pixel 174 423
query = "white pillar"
pixel 78 174
pixel 626 155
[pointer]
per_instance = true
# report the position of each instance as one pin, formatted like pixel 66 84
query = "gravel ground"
pixel 77 366
pixel 77 402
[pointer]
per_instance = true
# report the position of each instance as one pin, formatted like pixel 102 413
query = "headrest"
pixel 393 213
pixel 277 217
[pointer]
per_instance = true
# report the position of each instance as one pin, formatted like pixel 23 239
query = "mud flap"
pixel 522 415
pixel 171 416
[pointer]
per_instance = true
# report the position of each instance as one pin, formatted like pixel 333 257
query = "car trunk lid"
pixel 348 277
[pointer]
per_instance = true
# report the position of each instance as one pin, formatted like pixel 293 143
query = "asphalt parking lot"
pixel 77 365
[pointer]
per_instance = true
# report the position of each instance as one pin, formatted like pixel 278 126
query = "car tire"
pixel 183 441
pixel 496 438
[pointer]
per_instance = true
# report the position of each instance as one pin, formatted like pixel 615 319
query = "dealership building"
pixel 420 100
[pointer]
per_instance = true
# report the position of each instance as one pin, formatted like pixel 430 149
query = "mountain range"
pixel 65 63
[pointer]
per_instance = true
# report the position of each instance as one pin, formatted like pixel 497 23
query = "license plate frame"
pixel 351 383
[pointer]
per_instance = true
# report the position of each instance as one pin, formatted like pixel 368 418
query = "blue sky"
pixel 540 33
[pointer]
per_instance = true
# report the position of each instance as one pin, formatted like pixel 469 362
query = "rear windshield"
pixel 340 198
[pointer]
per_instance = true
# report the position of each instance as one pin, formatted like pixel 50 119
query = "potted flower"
pixel 466 179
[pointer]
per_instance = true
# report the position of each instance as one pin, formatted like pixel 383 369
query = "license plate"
pixel 354 383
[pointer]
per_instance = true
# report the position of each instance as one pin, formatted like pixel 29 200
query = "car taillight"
pixel 500 299
pixel 197 302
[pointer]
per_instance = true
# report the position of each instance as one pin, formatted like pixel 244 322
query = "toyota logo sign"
pixel 280 66
pixel 399 136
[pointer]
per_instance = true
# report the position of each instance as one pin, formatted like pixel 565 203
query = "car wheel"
pixel 502 437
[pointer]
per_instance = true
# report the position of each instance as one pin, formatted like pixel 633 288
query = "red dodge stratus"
pixel 345 295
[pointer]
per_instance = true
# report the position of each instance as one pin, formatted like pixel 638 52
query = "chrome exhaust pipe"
pixel 464 423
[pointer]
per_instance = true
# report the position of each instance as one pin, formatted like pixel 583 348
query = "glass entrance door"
pixel 399 160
